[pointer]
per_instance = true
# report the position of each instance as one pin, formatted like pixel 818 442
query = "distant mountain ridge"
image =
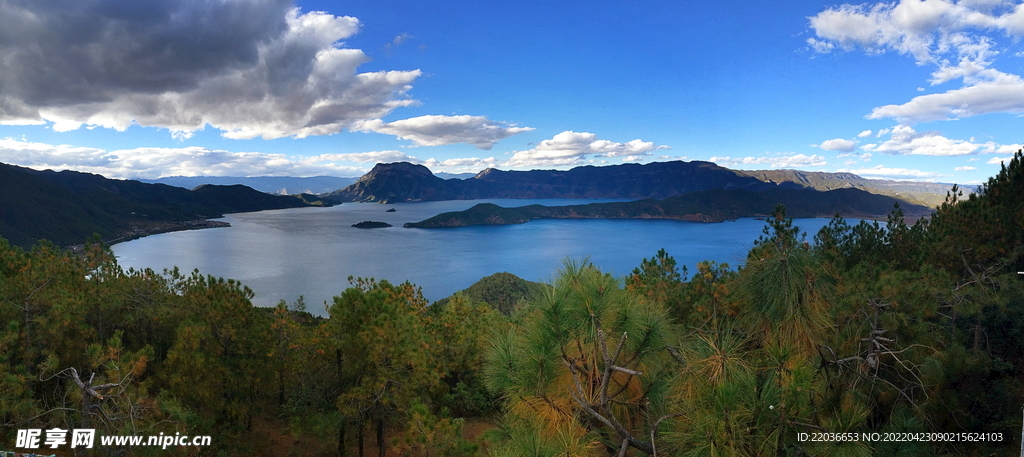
pixel 280 185
pixel 67 207
pixel 403 182
pixel 922 193
pixel 716 205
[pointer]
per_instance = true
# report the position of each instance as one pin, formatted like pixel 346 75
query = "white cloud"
pixel 1004 95
pixel 461 165
pixel 839 144
pixel 368 157
pixel 882 172
pixel 571 148
pixel 793 161
pixel 958 39
pixel 441 130
pixel 992 148
pixel 864 134
pixel 249 69
pixel 998 160
pixel 907 141
pixel 820 46
pixel 965 168
pixel 152 163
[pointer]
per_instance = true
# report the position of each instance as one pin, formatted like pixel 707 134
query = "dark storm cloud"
pixel 249 67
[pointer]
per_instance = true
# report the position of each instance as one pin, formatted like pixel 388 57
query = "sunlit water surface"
pixel 283 254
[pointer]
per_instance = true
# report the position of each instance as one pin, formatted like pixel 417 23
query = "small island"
pixel 371 224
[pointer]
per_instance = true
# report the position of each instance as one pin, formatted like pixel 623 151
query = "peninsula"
pixel 706 206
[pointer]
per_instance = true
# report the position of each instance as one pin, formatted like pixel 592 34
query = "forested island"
pixel 371 224
pixel 872 328
pixel 716 205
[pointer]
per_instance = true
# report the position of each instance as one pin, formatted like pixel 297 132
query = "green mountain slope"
pixel 67 207
pixel 502 291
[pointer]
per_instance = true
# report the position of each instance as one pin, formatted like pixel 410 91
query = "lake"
pixel 283 254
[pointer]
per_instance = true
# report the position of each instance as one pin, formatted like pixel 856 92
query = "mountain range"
pixel 403 182
pixel 67 207
pixel 716 205
pixel 918 192
pixel 280 185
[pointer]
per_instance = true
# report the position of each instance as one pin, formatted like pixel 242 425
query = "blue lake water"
pixel 282 254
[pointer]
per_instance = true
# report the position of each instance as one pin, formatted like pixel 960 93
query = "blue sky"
pixel 911 90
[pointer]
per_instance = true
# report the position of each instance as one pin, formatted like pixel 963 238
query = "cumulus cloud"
pixel 839 144
pixel 998 160
pixel 904 140
pixel 249 68
pixel 792 161
pixel 864 134
pixel 1003 95
pixel 441 130
pixel 965 168
pixel 368 157
pixel 461 164
pixel 958 39
pixel 152 163
pixel 572 148
pixel 882 172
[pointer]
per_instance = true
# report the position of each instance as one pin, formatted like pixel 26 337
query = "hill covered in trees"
pixel 867 339
pixel 705 206
pixel 67 207
pixel 502 291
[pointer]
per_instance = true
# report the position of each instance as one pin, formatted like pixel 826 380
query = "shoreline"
pixel 140 229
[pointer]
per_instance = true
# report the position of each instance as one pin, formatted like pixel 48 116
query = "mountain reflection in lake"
pixel 282 254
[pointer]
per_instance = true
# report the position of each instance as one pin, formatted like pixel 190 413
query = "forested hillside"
pixel 911 332
pixel 67 207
